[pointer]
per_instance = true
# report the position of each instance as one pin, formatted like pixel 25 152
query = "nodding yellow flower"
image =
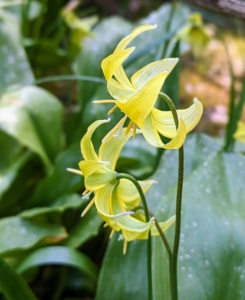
pixel 137 96
pixel 114 199
pixel 240 133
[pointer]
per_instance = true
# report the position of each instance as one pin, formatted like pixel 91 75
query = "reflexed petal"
pixel 99 179
pixel 164 122
pixel 124 42
pixel 112 62
pixel 131 227
pixel 140 105
pixel 122 78
pixel 140 78
pixel 103 205
pixel 87 147
pixel 129 195
pixel 111 148
pixel 149 130
pixel 164 225
pixel 96 175
pixel 240 133
pixel 118 91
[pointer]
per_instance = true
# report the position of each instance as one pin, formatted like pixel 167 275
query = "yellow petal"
pixel 120 92
pixel 164 122
pixel 112 62
pixel 96 175
pixel 103 198
pixel 140 105
pixel 164 226
pixel 132 228
pixel 140 78
pixel 87 147
pixel 111 148
pixel 240 133
pixel 124 42
pixel 149 130
pixel 129 195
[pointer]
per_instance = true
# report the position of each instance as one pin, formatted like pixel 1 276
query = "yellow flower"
pixel 136 97
pixel 114 199
pixel 194 33
pixel 240 133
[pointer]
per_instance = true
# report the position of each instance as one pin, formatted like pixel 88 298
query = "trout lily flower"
pixel 136 98
pixel 114 199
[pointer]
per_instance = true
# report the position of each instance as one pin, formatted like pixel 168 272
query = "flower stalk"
pixel 147 218
pixel 174 258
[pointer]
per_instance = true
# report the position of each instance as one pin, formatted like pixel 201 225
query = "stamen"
pixel 91 203
pixel 75 171
pixel 112 233
pixel 112 110
pixel 134 134
pixel 105 225
pixel 119 124
pixel 125 245
pixel 131 123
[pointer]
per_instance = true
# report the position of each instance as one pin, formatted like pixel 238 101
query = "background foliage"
pixel 51 53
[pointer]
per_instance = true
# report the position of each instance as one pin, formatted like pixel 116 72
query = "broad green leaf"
pixel 211 261
pixel 14 66
pixel 18 234
pixel 21 176
pixel 197 148
pixel 8 150
pixel 9 175
pixel 84 230
pixel 61 181
pixel 59 255
pixel 123 276
pixel 59 206
pixel 34 117
pixel 12 285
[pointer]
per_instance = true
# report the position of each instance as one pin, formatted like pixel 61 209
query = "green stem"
pixel 147 218
pixel 174 260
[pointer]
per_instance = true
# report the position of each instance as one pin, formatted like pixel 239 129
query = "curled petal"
pixel 112 62
pixel 96 175
pixel 164 226
pixel 149 130
pixel 103 199
pixel 140 105
pixel 140 78
pixel 111 148
pixel 132 228
pixel 124 42
pixel 129 195
pixel 86 145
pixel 120 92
pixel 164 122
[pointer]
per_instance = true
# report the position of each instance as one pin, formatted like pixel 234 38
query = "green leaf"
pixel 8 150
pixel 59 255
pixel 8 176
pixel 14 66
pixel 123 276
pixel 85 229
pixel 59 206
pixel 21 176
pixel 197 148
pixel 34 117
pixel 211 261
pixel 18 234
pixel 61 181
pixel 12 285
